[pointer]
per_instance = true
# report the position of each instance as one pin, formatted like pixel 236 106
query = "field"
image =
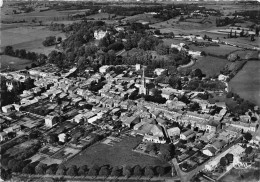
pixel 51 15
pixel 28 38
pixel 173 25
pixel 142 17
pixel 169 42
pixel 246 83
pixel 221 50
pixel 13 62
pixel 119 154
pixel 210 65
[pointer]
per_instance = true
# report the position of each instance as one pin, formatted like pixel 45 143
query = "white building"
pixel 159 71
pixel 50 121
pixel 7 108
pixel 104 69
pixel 100 34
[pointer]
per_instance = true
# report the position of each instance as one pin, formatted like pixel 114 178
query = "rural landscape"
pixel 130 90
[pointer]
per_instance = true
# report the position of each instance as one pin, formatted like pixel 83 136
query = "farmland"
pixel 119 154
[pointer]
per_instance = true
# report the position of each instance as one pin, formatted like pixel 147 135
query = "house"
pixel 213 148
pixel 104 69
pixel 3 136
pixel 130 121
pixel 63 137
pixel 212 126
pixel 210 151
pixel 256 137
pixel 173 131
pixel 154 139
pixel 7 108
pixel 99 34
pixel 51 120
pixel 222 77
pixel 187 135
pixel 159 71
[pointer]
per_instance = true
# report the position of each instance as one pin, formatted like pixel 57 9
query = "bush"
pixel 72 171
pixel 116 171
pixel 149 171
pixel 28 169
pixel 82 170
pixel 160 170
pixel 137 170
pixel 93 170
pixel 127 171
pixel 104 171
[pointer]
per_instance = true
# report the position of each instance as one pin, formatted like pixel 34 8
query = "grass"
pixel 221 50
pixel 143 17
pixel 119 154
pixel 29 38
pixel 210 65
pixel 247 81
pixel 13 62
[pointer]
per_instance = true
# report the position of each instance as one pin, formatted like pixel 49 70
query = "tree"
pixel 229 95
pixel 59 39
pixel 49 41
pixel 51 171
pixel 248 136
pixel 149 171
pixel 160 170
pixel 233 57
pixel 104 171
pixel 203 53
pixel 9 51
pixel 116 171
pixel 40 168
pixel 167 152
pixel 175 82
pixel 72 171
pixel 93 170
pixel 230 157
pixel 4 174
pixel 19 166
pixel 12 163
pixel 82 170
pixel 28 169
pixel 248 150
pixel 152 147
pixel 162 49
pixel 127 171
pixel 197 73
pixel 223 161
pixel 53 138
pixel 61 171
pixel 137 170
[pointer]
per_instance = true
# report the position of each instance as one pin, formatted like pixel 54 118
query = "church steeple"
pixel 142 88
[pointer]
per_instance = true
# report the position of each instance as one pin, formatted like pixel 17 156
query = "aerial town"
pixel 122 99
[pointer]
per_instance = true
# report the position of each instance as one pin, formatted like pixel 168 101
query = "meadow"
pixel 246 83
pixel 210 65
pixel 13 62
pixel 118 155
pixel 29 38
pixel 221 50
